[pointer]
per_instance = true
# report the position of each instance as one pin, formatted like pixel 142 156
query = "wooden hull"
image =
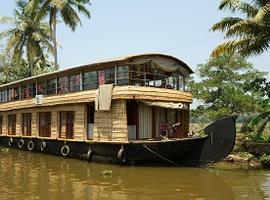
pixel 194 151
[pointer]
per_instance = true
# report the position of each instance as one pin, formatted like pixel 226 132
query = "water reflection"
pixel 25 175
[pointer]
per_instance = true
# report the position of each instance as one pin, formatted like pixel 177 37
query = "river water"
pixel 25 175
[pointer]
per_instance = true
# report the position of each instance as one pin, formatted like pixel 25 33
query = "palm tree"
pixel 259 122
pixel 27 38
pixel 68 11
pixel 251 34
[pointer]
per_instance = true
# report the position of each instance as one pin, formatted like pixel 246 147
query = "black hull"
pixel 196 151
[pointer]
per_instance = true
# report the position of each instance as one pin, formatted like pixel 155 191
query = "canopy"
pixel 162 63
pixel 163 104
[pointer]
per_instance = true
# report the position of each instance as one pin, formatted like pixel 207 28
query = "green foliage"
pixel 32 38
pixel 259 122
pixel 261 85
pixel 27 38
pixel 250 34
pixel 12 70
pixel 221 87
pixel 265 160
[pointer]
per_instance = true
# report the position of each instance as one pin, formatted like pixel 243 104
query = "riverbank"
pixel 243 158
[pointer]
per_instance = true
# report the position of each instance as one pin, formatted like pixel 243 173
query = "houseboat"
pixel 130 110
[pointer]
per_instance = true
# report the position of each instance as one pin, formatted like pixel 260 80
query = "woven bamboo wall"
pixel 79 125
pixel 151 93
pixel 119 92
pixel 112 125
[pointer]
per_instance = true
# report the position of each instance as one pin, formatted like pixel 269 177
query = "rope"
pixel 160 156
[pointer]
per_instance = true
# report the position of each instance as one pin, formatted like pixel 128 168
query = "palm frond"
pixel 7 33
pixel 263 13
pixel 224 48
pixel 7 20
pixel 225 23
pixel 70 17
pixel 253 46
pixel 262 125
pixel 238 5
pixel 258 119
pixel 243 28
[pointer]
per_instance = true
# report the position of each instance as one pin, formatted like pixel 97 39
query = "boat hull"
pixel 194 151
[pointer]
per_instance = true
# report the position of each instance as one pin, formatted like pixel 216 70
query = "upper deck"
pixel 160 76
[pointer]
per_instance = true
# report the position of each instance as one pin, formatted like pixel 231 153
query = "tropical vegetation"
pixel 31 39
pixel 259 122
pixel 221 87
pixel 67 11
pixel 249 31
pixel 250 34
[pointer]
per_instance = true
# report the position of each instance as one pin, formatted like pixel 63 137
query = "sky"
pixel 124 27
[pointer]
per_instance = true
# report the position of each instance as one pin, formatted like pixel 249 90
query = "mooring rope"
pixel 160 156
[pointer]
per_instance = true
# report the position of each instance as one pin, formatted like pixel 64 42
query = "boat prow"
pixel 221 140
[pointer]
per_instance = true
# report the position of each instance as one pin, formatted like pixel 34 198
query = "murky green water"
pixel 25 175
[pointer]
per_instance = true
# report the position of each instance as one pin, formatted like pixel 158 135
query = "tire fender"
pixel 43 146
pixel 30 145
pixel 10 142
pixel 21 143
pixel 65 150
pixel 121 155
pixel 89 155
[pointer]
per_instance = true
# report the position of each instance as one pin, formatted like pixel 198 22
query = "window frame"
pixel 26 124
pixel 47 124
pixel 11 118
pixel 66 120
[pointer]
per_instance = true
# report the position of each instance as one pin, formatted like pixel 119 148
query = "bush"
pixel 265 160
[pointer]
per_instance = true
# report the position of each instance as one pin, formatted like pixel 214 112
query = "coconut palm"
pixel 27 38
pixel 259 122
pixel 67 11
pixel 250 34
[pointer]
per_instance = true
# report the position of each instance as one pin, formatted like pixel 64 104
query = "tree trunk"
pixel 55 44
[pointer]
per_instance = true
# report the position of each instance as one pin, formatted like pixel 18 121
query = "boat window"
pixel 63 86
pixel 74 82
pixel 122 75
pixel 28 91
pixel 66 124
pixel 26 124
pixel 101 77
pixel 51 87
pixel 181 82
pixel 90 80
pixel 12 124
pixel 1 124
pixel 45 124
pixel 13 94
pixel 159 79
pixel 136 75
pixel 41 88
pixel 110 75
pixel 172 81
pixel 47 87
pixel 3 96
